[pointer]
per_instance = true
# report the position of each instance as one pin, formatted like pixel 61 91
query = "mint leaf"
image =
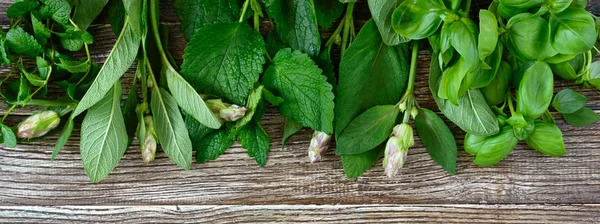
pixel 196 13
pixel 568 101
pixel 224 59
pixel 290 128
pixel 74 66
pixel 10 140
pixel 21 42
pixel 118 61
pixel 196 130
pixel 40 31
pixel 307 96
pixel 63 138
pixel 254 139
pixel 170 128
pixel 371 73
pixel 4 60
pixel 296 24
pixel 213 145
pixel 368 130
pixel 103 136
pixel 327 12
pixel 19 9
pixel 382 15
pixel 58 10
pixel 86 12
pixel 437 138
pixel 325 64
pixel 356 165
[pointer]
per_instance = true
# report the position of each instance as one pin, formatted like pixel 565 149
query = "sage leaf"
pixel 103 135
pixel 86 11
pixel 63 138
pixel 254 139
pixel 133 8
pixel 382 10
pixel 371 73
pixel 437 138
pixel 568 101
pixel 547 138
pixel 368 130
pixel 118 61
pixel 472 114
pixel 10 140
pixel 170 128
pixel 196 13
pixel 224 59
pixel 356 165
pixel 582 117
pixel 296 24
pixel 307 96
pixel 213 145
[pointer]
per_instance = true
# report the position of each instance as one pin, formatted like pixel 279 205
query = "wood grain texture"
pixel 305 213
pixel 28 177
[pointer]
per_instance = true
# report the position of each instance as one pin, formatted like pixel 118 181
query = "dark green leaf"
pixel 10 140
pixel 40 31
pixel 327 12
pixel 437 138
pixel 224 59
pixel 382 10
pixel 74 66
pixel 86 11
pixel 528 37
pixel 19 9
pixel 58 10
pixel 21 42
pixel 290 128
pixel 418 19
pixel 213 145
pixel 356 165
pixel 129 113
pixel 296 24
pixel 495 92
pixel 196 13
pixel 572 31
pixel 133 8
pixel 307 95
pixel 116 15
pixel 368 130
pixel 254 98
pixel 197 131
pixel 63 138
pixel 582 117
pixel 568 101
pixel 547 139
pixel 325 64
pixel 254 139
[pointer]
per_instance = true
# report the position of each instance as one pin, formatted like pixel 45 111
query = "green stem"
pixel 347 24
pixel 8 112
pixel 409 95
pixel 245 7
pixel 257 22
pixel 155 31
pixel 89 61
pixel 335 33
pixel 510 103
pixel 467 8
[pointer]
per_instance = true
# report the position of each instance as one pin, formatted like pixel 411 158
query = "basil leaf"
pixel 59 10
pixel 437 138
pixel 307 95
pixel 196 13
pixel 557 6
pixel 10 140
pixel 367 131
pixel 452 79
pixel 356 165
pixel 463 38
pixel 103 135
pixel 327 11
pixel 528 37
pixel 418 19
pixel 535 90
pixel 582 117
pixel 472 114
pixel 495 91
pixel 290 128
pixel 382 11
pixel 547 139
pixel 19 9
pixel 224 59
pixel 296 24
pixel 213 145
pixel 485 76
pixel 170 128
pixel 63 138
pixel 371 73
pixel 21 42
pixel 86 11
pixel 572 31
pixel 118 61
pixel 492 149
pixel 488 36
pixel 568 101
pixel 254 139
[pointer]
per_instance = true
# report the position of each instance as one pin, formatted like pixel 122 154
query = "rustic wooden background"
pixel 526 187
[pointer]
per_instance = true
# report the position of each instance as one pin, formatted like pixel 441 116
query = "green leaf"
pixel 43 67
pixel 547 139
pixel 371 73
pixel 224 59
pixel 21 42
pixel 4 60
pixel 290 128
pixel 463 38
pixel 254 139
pixel 103 136
pixel 356 165
pixel 213 145
pixel 368 130
pixel 118 61
pixel 582 117
pixel 296 24
pixel 80 66
pixel 472 114
pixel 535 90
pixel 324 62
pixel 572 31
pixel 133 8
pixel 269 96
pixel 437 138
pixel 10 140
pixel 307 95
pixel 452 80
pixel 484 77
pixel 197 131
pixel 254 98
pixel 382 10
pixel 568 101
pixel 24 89
pixel 19 9
pixel 170 128
pixel 40 31
pixel 32 78
pixel 418 19
pixel 58 10
pixel 528 37
pixel 86 11
pixel 492 149
pixel 63 138
pixel 488 36
pixel 129 113
pixel 189 100
pixel 196 13
pixel 116 15
pixel 327 11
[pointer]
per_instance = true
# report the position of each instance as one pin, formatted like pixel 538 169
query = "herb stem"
pixel 347 24
pixel 335 33
pixel 89 61
pixel 510 103
pixel 8 112
pixel 245 7
pixel 467 7
pixel 256 22
pixel 413 67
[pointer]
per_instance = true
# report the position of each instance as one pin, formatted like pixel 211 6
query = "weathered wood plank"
pixel 304 213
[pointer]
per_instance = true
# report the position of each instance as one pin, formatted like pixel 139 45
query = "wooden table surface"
pixel 526 187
